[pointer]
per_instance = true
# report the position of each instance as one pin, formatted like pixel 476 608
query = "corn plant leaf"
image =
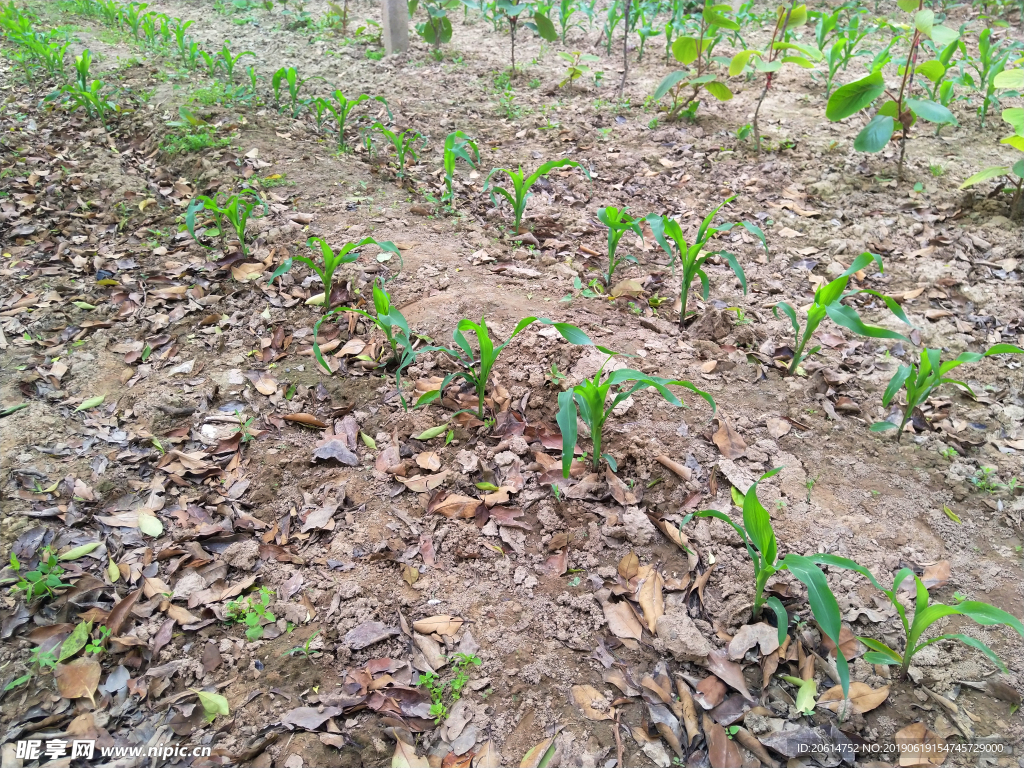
pixel 430 434
pixel 806 690
pixel 823 606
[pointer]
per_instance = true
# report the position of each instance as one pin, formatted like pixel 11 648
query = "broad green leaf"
pixel 910 6
pixel 882 426
pixel 113 572
pixel 739 62
pixel 931 111
pixel 781 617
pixel 985 175
pixel 92 402
pixel 924 20
pixel 75 642
pixel 823 606
pixel 668 83
pixel 716 19
pixel 84 305
pixel 873 657
pixel 1015 117
pixel 719 90
pixel 884 650
pixel 80 551
pixel 684 49
pixel 544 27
pixel 932 69
pixel 368 441
pixel 767 66
pixel 800 61
pixel 431 433
pixel 1018 167
pixel 213 704
pixel 807 690
pixel 566 420
pixel 875 135
pixel 855 96
pixel 1017 142
pixel 1010 78
pixel 943 36
pixel 150 524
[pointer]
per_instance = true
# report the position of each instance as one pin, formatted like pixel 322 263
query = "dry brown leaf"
pixel 778 427
pixel 678 538
pixel 628 565
pixel 410 574
pixel 710 692
pixel 728 440
pixel 729 671
pixel 535 757
pixel 423 483
pixel 763 635
pixel 79 678
pixel 307 419
pixel 557 564
pixel 455 506
pixel 919 747
pixel 863 698
pixel 265 383
pixel 586 697
pixel 723 752
pixel 119 613
pixel 487 756
pixel 442 625
pixel 848 643
pixel 651 598
pixel 689 716
pixel 936 575
pixel 429 461
pixel 622 622
pixel 405 756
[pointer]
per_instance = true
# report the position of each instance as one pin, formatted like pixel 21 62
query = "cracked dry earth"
pixel 381 554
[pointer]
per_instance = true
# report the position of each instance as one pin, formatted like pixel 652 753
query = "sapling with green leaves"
pixel 329 263
pixel 926 613
pixel 476 366
pixel 692 257
pixel 514 13
pixel 619 222
pixel 521 184
pixel 900 111
pixel 759 539
pixel 920 380
pixel 828 302
pixel 770 60
pixel 596 398
pixel 1014 173
pixel 697 50
pixel 437 29
pixel 236 211
pixel 457 146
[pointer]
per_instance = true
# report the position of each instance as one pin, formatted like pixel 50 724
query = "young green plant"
pixel 252 610
pixel 521 184
pixel 619 222
pixel 926 613
pixel 404 143
pixel 457 146
pixel 759 539
pixel 828 303
pixel 343 108
pixel 1013 173
pixel 693 257
pixel 596 398
pixel 476 366
pixel 929 374
pixel 385 316
pixel 236 211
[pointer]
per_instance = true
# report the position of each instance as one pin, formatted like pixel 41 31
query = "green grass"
pixel 184 143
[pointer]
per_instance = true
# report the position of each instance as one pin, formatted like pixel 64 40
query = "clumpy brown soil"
pixel 395 527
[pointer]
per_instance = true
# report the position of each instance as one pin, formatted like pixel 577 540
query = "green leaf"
pixel 368 441
pixel 713 17
pixel 931 111
pixel 882 426
pixel 823 606
pixel 781 617
pixel 76 641
pixel 1015 117
pixel 92 402
pixel 1010 78
pixel 879 658
pixel 923 21
pixel 113 572
pixel 739 62
pixel 84 305
pixel 907 5
pixel 807 690
pixel 80 551
pixel 853 97
pixel 1017 142
pixel 668 83
pixel 932 69
pixel 684 49
pixel 943 36
pixel 213 704
pixel 719 90
pixel 985 175
pixel 432 432
pixel 544 27
pixel 875 135
pixel 150 524
pixel 566 420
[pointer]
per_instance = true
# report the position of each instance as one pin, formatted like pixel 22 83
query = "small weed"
pixel 937 170
pixel 949 453
pixel 304 649
pixel 244 427
pixel 986 479
pixel 252 611
pixel 444 694
pixel 809 485
pixel 42 580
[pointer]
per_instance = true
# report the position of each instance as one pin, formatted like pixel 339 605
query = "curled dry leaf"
pixel 936 575
pixel 441 625
pixel 622 622
pixel 405 757
pixel 677 537
pixel 454 506
pixel 728 440
pixel 423 483
pixel 428 460
pixel 863 698
pixel 591 703
pixel 729 671
pixel 540 755
pixel 78 679
pixel 306 419
pixel 651 598
pixel 487 756
pixel 628 565
pixel 919 747
pixel 761 634
pixel 119 613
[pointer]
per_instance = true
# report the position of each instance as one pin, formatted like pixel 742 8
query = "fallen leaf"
pixel 265 383
pixel 211 657
pixel 487 756
pixel 778 427
pixel 78 679
pixel 308 718
pixel 723 752
pixel 919 747
pixel 247 271
pixel 428 460
pixel 306 419
pixel 622 622
pixel 423 483
pixel 337 449
pixel 557 564
pixel 410 574
pixel 442 625
pixel 368 633
pixel 936 575
pixel 628 565
pixel 455 506
pixel 213 704
pixel 728 440
pixel 761 634
pixel 863 698
pixel 585 697
pixel 651 598
pixel 729 672
pixel 710 692
pixel 119 613
pixel 150 524
pixel 540 755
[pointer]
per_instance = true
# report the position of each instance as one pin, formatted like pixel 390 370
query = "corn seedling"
pixel 929 374
pixel 566 9
pixel 404 144
pixel 386 317
pixel 521 184
pixel 304 649
pixel 697 49
pixel 618 223
pixel 926 613
pixel 182 42
pixel 770 61
pixel 82 63
pixel 227 61
pixel 91 99
pixel 476 366
pixel 596 398
pixel 290 76
pixel 759 539
pixel 900 111
pixel 828 302
pixel 457 146
pixel 235 211
pixel 343 108
pixel 692 257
